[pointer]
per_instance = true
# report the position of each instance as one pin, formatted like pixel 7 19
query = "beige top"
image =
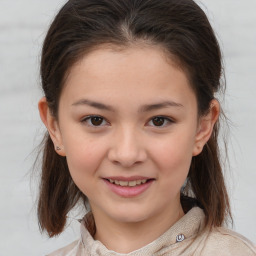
pixel 181 239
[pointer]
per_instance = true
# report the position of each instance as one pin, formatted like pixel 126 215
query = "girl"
pixel 132 125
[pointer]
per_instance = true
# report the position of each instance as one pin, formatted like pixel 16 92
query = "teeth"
pixel 123 183
pixel 138 182
pixel 132 183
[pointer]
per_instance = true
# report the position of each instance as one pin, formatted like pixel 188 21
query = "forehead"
pixel 145 55
pixel 126 72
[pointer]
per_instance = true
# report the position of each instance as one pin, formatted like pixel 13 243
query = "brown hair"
pixel 183 30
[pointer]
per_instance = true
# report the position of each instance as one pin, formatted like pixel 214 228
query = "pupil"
pixel 96 120
pixel 158 121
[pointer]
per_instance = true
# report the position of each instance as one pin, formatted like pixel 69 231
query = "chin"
pixel 129 215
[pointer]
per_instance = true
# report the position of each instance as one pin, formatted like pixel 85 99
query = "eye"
pixel 160 121
pixel 94 121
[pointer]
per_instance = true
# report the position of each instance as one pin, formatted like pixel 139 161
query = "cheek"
pixel 83 157
pixel 173 165
pixel 174 146
pixel 173 155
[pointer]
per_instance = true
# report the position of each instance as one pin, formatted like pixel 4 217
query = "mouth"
pixel 129 183
pixel 129 187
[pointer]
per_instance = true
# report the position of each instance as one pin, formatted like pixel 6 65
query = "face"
pixel 128 126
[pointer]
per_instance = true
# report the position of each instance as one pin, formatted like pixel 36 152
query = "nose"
pixel 127 148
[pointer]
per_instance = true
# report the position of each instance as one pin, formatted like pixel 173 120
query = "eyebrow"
pixel 93 104
pixel 160 105
pixel 144 108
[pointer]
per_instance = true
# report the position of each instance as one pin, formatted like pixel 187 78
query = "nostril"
pixel 127 154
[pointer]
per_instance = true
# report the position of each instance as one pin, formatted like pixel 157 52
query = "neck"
pixel 127 237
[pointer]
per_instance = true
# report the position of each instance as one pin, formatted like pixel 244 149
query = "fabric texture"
pixel 185 238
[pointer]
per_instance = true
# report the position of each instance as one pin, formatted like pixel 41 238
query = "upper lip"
pixel 131 178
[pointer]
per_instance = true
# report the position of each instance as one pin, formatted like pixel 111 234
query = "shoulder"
pixel 69 250
pixel 224 241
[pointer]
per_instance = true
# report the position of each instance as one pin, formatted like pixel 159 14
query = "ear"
pixel 205 127
pixel 52 126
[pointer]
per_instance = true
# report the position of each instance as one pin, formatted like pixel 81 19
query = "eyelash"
pixel 89 118
pixel 166 120
pixel 85 120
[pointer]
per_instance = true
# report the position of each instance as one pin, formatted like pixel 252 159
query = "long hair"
pixel 184 32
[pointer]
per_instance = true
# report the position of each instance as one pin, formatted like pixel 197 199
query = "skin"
pixel 127 142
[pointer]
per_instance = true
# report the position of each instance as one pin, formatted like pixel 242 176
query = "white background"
pixel 23 24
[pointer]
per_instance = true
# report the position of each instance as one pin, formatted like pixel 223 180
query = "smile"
pixel 132 183
pixel 128 187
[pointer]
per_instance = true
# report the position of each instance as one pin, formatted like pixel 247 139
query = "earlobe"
pixel 205 127
pixel 52 125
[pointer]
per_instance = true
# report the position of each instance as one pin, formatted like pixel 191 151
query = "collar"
pixel 184 229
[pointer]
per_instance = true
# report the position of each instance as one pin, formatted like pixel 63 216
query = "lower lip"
pixel 129 191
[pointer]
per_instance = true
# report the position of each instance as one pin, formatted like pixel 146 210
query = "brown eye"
pixel 94 121
pixel 158 121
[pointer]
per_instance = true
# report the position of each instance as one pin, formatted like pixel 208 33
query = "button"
pixel 180 238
